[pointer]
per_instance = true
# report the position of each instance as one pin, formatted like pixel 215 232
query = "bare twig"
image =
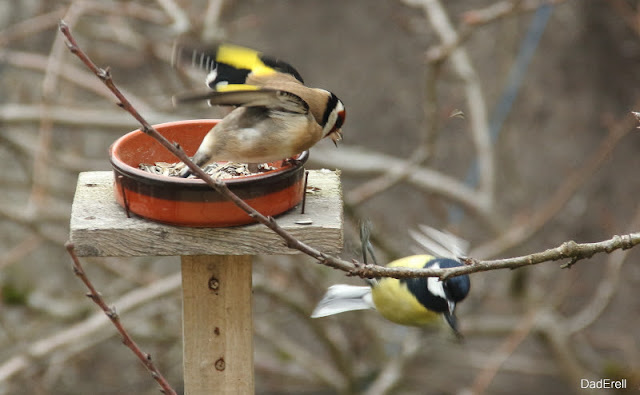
pixel 28 60
pixel 627 13
pixel 181 21
pixel 391 177
pixel 393 371
pixel 72 336
pixel 218 185
pixel 517 364
pixel 50 19
pixel 476 18
pixel 110 312
pixel 363 162
pixel 516 235
pixel 14 113
pixel 284 345
pixel 45 133
pixel 420 156
pixel 21 249
pixel 338 356
pixel 502 9
pixel 124 269
pixel 211 29
pixel 569 250
pixel 20 152
pixel 607 288
pixel 503 352
pixel 477 110
pixel 553 329
pixel 133 9
pixel 30 26
pixel 37 227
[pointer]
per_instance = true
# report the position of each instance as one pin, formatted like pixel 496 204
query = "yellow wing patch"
pixel 242 58
pixel 236 87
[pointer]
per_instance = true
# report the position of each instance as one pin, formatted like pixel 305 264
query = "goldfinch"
pixel 413 301
pixel 276 115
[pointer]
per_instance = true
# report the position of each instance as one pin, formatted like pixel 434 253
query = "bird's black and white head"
pixel 441 296
pixel 451 291
pixel 333 118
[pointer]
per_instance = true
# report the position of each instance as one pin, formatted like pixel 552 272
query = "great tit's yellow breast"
pixel 396 303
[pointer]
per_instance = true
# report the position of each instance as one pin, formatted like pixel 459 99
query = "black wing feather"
pixel 205 59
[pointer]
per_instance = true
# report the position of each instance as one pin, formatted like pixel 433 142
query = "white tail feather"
pixel 341 297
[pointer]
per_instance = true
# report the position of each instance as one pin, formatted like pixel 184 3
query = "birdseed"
pixel 215 170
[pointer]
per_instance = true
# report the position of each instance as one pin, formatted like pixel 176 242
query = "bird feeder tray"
pixel 216 267
pixel 191 202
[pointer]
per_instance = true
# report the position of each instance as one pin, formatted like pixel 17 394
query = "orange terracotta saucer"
pixel 191 202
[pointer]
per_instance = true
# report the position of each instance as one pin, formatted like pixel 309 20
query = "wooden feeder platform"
pixel 216 269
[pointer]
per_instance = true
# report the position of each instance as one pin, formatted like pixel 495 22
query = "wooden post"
pixel 216 269
pixel 216 293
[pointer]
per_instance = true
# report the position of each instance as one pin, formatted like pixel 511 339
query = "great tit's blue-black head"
pixel 440 296
pixel 455 288
pixel 436 295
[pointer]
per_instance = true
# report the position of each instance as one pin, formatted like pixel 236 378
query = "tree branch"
pixel 568 250
pixel 477 113
pixel 361 162
pixel 516 235
pixel 605 292
pixel 110 312
pixel 218 185
pixel 87 332
pixel 500 355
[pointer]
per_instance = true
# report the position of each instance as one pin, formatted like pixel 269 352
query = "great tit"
pixel 276 115
pixel 412 301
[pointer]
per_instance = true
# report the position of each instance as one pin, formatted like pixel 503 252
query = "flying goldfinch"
pixel 413 301
pixel 276 115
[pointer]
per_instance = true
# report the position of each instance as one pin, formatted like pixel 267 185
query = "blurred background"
pixel 505 122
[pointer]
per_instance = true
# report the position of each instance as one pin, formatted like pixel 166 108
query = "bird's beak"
pixel 336 136
pixel 451 318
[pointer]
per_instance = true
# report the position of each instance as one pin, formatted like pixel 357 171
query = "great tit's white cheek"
pixel 436 287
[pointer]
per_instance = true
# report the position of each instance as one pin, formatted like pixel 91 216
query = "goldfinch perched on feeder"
pixel 276 115
pixel 413 301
